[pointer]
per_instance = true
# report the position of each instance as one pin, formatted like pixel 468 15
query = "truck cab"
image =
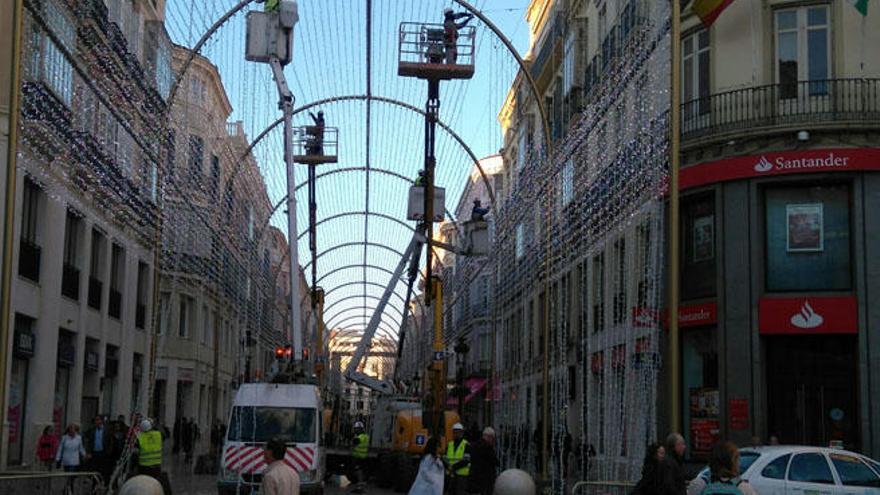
pixel 260 412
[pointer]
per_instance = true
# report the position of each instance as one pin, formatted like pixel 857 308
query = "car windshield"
pixel 260 424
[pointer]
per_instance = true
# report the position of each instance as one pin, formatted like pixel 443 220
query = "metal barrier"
pixel 68 483
pixel 602 488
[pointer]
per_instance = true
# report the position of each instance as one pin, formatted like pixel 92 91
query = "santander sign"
pixel 780 163
pixel 783 163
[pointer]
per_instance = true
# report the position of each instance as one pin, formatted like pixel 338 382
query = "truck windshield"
pixel 261 424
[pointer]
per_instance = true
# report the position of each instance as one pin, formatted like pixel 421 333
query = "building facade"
pixel 85 216
pixel 779 115
pixel 779 179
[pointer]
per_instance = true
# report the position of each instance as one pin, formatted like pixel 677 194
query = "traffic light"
pixel 288 351
pixel 279 353
pixel 305 353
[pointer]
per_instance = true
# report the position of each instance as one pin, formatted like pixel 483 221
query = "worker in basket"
pixel 452 22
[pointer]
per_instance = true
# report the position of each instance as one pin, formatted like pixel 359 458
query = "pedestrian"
pixel 673 465
pixel 429 480
pixel 99 445
pixel 360 451
pixel 71 451
pixel 47 446
pixel 188 434
pixel 653 477
pixel 724 472
pixel 278 478
pixel 451 24
pixel 458 460
pixel 484 463
pixel 149 445
pixel 421 179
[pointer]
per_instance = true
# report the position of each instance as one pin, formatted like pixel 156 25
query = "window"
pixel 184 317
pixel 521 148
pixel 117 275
pixel 620 119
pixel 695 66
pixel 598 290
pixel 197 91
pixel 259 424
pixel 854 472
pixel 215 174
pixel 70 274
pixel 154 182
pixel 57 72
pixel 698 255
pixel 96 270
pixel 29 249
pixel 520 244
pixel 810 468
pixel 620 284
pixel 196 156
pixel 776 469
pixel 808 238
pixel 567 182
pixel 124 151
pixel 250 222
pixel 569 63
pixel 206 324
pixel 143 283
pixel 803 49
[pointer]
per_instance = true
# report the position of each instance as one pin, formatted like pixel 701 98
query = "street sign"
pixel 439 355
pixel 420 439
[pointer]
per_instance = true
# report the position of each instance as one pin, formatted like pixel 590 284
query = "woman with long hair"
pixel 724 469
pixel 47 446
pixel 653 476
pixel 429 481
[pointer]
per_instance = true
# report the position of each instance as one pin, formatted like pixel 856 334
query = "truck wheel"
pixel 405 473
pixel 385 472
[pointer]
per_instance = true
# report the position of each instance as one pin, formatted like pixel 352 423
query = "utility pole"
pixel 674 162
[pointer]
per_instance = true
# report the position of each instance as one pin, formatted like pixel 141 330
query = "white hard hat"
pixel 146 425
pixel 514 482
pixel 457 426
pixel 358 424
pixel 489 431
pixel 141 485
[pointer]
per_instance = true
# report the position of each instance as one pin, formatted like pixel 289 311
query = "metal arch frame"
pixel 362 296
pixel 365 307
pixel 390 334
pixel 354 243
pixel 361 284
pixel 358 212
pixel 352 332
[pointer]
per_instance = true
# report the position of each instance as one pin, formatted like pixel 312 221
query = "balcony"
pixel 29 260
pixel 70 282
pixel 830 103
pixel 114 308
pixel 95 289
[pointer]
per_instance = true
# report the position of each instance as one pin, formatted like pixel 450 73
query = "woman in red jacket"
pixel 47 446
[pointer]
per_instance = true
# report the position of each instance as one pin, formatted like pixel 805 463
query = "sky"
pixel 330 60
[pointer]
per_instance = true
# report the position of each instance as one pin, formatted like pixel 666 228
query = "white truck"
pixel 263 411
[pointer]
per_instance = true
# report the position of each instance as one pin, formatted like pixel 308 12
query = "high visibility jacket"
pixel 361 446
pixel 270 6
pixel 455 454
pixel 150 448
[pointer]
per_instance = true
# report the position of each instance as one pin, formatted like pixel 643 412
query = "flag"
pixel 709 10
pixel 860 5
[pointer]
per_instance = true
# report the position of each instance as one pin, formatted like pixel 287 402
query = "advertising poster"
pixel 738 414
pixel 704 238
pixel 704 434
pixel 804 228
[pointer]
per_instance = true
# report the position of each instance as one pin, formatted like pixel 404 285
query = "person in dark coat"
pixel 653 476
pixel 484 464
pixel 99 446
pixel 676 478
pixel 175 434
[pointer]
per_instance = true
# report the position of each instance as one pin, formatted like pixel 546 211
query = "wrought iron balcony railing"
pixel 807 104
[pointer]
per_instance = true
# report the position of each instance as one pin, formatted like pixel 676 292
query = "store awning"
pixel 474 386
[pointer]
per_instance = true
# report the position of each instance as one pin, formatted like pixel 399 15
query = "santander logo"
pixel 763 165
pixel 807 318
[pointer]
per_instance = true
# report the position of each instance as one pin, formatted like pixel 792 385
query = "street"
pixel 185 483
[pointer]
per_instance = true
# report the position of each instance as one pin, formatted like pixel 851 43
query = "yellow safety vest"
pixel 360 449
pixel 454 455
pixel 150 448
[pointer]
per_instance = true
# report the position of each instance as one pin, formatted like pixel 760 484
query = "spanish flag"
pixel 709 10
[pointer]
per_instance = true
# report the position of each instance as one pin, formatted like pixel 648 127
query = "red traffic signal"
pixel 279 353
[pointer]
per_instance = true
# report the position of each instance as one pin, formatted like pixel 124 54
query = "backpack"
pixel 719 487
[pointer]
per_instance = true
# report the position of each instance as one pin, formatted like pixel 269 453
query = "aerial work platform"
pixel 427 51
pixel 315 145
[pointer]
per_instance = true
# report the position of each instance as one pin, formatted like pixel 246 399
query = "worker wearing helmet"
pixel 458 458
pixel 359 452
pixel 149 445
pixel 452 22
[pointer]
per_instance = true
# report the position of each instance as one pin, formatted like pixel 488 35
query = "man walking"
pixel 484 464
pixel 458 458
pixel 675 475
pixel 99 445
pixel 279 478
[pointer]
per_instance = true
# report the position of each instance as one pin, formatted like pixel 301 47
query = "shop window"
pixel 810 468
pixel 808 238
pixel 698 263
pixel 776 469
